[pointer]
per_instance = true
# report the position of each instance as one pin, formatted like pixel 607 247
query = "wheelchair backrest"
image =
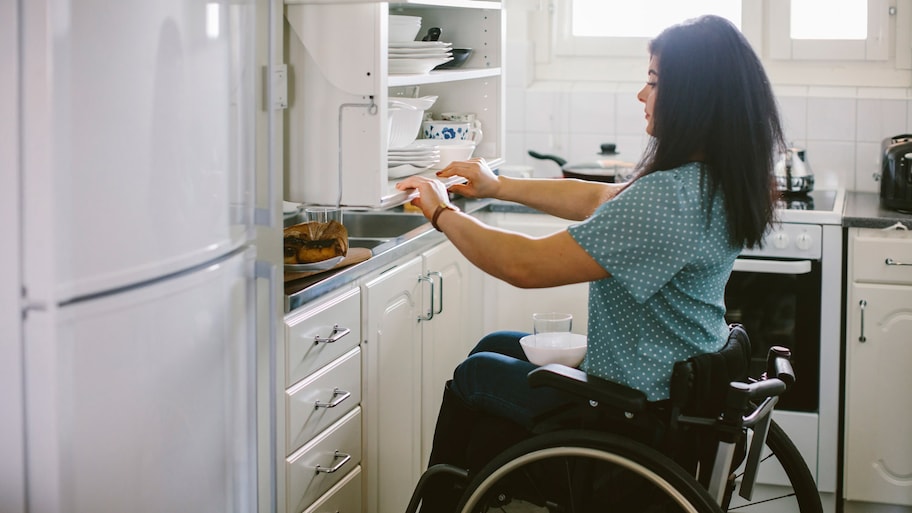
pixel 699 384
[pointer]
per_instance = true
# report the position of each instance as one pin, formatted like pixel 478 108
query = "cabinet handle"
pixel 439 275
pixel 339 395
pixel 430 314
pixel 336 334
pixel 861 305
pixel 890 261
pixel 336 455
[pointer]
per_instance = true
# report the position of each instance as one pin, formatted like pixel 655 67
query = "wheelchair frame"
pixel 747 406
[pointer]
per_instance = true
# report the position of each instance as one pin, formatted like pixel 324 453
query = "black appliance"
pixel 896 173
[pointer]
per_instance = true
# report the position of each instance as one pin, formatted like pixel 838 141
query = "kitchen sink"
pixel 373 229
pixel 381 224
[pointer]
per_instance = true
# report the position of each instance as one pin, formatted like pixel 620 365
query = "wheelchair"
pixel 619 453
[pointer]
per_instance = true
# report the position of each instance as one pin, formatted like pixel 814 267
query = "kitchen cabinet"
pixel 319 434
pixel 878 456
pixel 337 120
pixel 511 308
pixel 419 323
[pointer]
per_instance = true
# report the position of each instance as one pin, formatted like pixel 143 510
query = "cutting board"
pixel 354 256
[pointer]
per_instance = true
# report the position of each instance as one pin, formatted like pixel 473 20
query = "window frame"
pixel 885 44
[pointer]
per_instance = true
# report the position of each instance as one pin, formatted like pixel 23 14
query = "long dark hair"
pixel 714 103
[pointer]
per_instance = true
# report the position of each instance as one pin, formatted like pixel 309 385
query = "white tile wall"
pixel 841 128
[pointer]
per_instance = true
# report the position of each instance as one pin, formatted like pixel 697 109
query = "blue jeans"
pixel 493 379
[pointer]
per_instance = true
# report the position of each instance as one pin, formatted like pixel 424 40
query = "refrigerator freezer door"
pixel 142 401
pixel 143 103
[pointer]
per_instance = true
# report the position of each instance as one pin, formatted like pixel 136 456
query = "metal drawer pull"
pixel 339 395
pixel 430 313
pixel 337 466
pixel 336 334
pixel 862 304
pixel 890 261
pixel 440 293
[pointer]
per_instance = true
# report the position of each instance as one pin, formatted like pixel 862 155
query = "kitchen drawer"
pixel 345 497
pixel 320 332
pixel 337 389
pixel 874 250
pixel 336 451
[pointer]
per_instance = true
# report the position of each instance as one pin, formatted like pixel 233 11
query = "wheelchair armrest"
pixel 577 382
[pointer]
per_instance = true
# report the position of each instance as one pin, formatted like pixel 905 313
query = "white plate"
pixel 420 44
pixel 430 52
pixel 415 66
pixel 314 266
pixel 405 170
pixel 289 207
pixel 416 146
pixel 415 156
pixel 417 163
pixel 440 55
pixel 416 153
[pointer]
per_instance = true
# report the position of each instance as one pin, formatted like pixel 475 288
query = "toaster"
pixel 896 173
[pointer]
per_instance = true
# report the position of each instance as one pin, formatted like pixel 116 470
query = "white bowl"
pixel 564 348
pixel 405 123
pixel 403 28
pixel 452 151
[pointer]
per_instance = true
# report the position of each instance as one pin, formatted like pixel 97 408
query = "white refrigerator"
pixel 128 276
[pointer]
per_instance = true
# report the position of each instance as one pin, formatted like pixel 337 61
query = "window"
pixel 798 30
pixel 848 30
pixel 643 18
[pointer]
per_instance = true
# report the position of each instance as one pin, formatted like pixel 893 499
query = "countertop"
pixel 301 291
pixel 863 210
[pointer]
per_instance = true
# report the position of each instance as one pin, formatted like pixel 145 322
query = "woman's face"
pixel 647 94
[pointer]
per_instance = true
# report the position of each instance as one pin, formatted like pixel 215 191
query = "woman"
pixel 657 251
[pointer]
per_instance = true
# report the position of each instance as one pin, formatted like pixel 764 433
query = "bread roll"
pixel 311 242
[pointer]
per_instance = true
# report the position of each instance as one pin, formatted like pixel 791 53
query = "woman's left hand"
pixel 431 193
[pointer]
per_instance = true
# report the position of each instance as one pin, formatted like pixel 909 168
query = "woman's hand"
pixel 431 193
pixel 482 182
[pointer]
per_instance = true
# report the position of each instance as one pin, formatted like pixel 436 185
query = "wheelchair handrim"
pixel 540 454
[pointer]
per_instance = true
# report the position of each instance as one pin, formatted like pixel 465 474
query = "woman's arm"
pixel 566 198
pixel 520 260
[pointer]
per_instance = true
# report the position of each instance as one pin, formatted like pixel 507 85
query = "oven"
pixel 789 293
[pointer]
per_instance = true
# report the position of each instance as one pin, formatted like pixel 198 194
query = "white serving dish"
pixel 403 28
pixel 564 348
pixel 415 66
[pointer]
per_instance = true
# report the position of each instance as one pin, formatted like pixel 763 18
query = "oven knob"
pixel 804 241
pixel 780 240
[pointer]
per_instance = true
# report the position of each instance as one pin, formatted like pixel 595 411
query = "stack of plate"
pixel 418 57
pixel 411 159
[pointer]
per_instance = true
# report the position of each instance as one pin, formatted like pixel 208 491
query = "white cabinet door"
pixel 511 308
pixel 450 334
pixel 392 386
pixel 878 418
pixel 141 401
pixel 150 120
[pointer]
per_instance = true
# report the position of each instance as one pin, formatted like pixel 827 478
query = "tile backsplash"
pixel 841 128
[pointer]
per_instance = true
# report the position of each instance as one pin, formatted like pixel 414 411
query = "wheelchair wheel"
pixel 584 471
pixel 803 496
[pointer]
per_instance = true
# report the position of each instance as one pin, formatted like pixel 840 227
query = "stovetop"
pixel 816 207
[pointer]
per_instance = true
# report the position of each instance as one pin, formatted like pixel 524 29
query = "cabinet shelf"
pixel 440 77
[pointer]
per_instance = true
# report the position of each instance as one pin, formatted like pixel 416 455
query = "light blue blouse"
pixel 665 242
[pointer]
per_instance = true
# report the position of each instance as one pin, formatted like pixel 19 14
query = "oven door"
pixel 778 302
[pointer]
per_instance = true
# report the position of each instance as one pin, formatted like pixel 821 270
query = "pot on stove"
pixel 793 174
pixel 610 169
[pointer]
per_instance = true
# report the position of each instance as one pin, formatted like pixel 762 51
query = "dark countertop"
pixel 863 210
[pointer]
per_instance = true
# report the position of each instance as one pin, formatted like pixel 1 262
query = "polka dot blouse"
pixel 665 242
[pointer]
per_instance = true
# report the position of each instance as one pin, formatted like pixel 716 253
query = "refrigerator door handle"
pixel 270 272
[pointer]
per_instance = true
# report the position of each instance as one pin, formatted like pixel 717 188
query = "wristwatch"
pixel 440 208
